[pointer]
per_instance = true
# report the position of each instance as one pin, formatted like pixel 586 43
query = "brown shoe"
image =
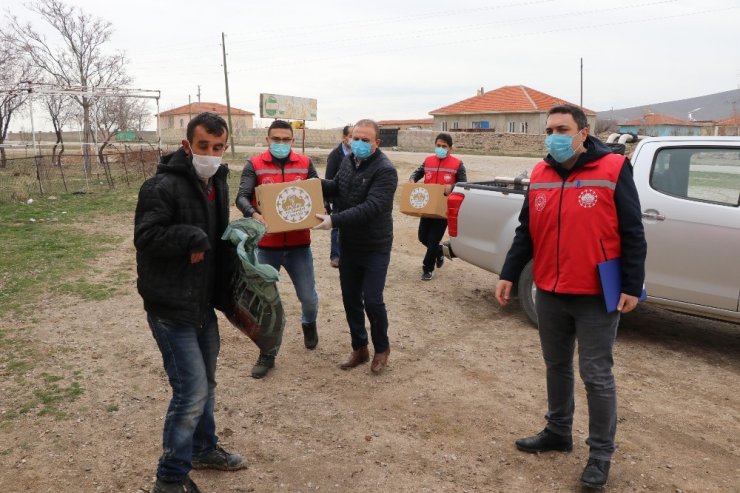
pixel 379 361
pixel 358 357
pixel 335 262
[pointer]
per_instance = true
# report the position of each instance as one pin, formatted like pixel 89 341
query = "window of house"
pixel 524 126
pixel 444 126
pixel 512 127
pixel 455 125
pixel 702 174
pixel 182 123
pixel 171 122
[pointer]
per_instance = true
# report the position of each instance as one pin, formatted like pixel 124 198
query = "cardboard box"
pixel 290 206
pixel 419 199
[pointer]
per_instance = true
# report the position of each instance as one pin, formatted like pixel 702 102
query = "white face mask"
pixel 206 166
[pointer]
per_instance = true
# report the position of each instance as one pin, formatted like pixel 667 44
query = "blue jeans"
pixel 362 277
pixel 334 250
pixel 298 262
pixel 189 353
pixel 563 319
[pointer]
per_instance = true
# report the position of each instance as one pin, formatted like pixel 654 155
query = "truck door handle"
pixel 653 214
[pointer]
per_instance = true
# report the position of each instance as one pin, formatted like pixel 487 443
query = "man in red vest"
pixel 291 249
pixel 581 208
pixel 444 169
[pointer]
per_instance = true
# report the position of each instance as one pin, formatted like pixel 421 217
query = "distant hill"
pixel 713 107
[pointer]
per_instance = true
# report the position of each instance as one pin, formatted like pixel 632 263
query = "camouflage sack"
pixel 257 310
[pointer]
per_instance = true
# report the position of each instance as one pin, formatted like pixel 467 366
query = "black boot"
pixel 264 364
pixel 596 473
pixel 545 441
pixel 310 335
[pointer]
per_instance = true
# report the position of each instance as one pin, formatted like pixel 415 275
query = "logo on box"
pixel 419 198
pixel 293 204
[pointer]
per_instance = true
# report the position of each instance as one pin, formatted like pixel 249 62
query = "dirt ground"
pixel 465 379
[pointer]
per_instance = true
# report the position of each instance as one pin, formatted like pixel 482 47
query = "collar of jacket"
pixel 269 158
pixel 369 159
pixel 595 150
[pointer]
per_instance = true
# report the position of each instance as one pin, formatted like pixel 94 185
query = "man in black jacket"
pixel 363 191
pixel 333 161
pixel 181 263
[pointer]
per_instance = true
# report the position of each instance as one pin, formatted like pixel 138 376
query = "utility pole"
pixel 581 82
pixel 190 109
pixel 199 90
pixel 228 101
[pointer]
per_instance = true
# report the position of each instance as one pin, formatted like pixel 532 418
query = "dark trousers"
pixel 362 277
pixel 563 319
pixel 189 353
pixel 431 232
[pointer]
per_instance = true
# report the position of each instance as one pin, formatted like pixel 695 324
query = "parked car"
pixel 689 191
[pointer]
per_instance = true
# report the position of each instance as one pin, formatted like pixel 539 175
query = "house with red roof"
pixel 178 118
pixel 417 124
pixel 508 109
pixel 657 125
pixel 728 126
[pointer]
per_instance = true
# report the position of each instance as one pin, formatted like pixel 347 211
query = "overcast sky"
pixel 396 59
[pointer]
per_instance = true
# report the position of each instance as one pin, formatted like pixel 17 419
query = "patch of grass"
pixel 50 254
pixel 88 290
pixel 111 408
pixel 41 256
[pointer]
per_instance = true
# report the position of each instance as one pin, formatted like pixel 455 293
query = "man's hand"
pixel 196 257
pixel 503 291
pixel 627 303
pixel 411 180
pixel 325 221
pixel 258 217
pixel 448 189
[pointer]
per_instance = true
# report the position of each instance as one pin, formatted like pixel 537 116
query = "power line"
pixel 303 61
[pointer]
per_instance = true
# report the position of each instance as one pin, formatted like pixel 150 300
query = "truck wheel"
pixel 526 291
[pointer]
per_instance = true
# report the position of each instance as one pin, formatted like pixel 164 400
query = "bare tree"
pixel 119 113
pixel 14 76
pixel 76 58
pixel 60 113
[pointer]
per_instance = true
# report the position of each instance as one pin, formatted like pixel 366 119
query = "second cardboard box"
pixel 290 206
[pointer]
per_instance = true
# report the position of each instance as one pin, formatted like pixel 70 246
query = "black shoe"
pixel 185 485
pixel 264 364
pixel 440 261
pixel 595 473
pixel 545 441
pixel 310 335
pixel 220 459
pixel 426 276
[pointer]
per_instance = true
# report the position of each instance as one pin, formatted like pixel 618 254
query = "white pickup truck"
pixel 689 191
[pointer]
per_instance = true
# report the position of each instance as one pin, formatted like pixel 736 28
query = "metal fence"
pixel 44 174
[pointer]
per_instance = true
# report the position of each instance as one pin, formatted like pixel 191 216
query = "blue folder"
pixel 610 274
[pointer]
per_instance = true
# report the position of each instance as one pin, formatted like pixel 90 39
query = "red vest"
pixel 440 171
pixel 267 171
pixel 574 224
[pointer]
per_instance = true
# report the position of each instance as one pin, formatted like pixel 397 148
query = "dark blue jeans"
pixel 563 319
pixel 334 249
pixel 362 277
pixel 298 262
pixel 189 353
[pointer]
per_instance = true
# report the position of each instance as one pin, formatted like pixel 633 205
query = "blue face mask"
pixel 361 150
pixel 560 146
pixel 279 151
pixel 441 152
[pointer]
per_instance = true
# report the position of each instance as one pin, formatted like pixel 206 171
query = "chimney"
pixel 479 92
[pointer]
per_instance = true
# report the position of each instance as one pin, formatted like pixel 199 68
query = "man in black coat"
pixel 363 191
pixel 333 161
pixel 181 263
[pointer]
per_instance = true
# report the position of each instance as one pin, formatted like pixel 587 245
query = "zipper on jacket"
pixel 557 244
